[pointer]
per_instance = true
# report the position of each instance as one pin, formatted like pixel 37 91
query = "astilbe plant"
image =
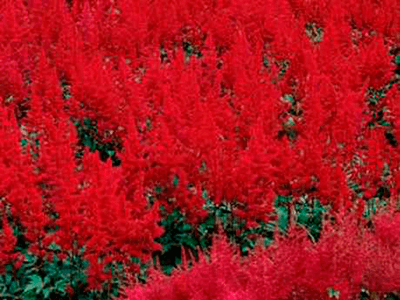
pixel 229 103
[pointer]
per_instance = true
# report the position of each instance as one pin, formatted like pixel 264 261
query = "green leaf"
pixel 168 269
pixel 178 261
pixel 9 268
pixel 7 278
pixel 54 247
pixel 209 222
pixel 30 259
pixel 283 218
pixel 374 206
pixel 397 60
pixel 93 145
pixel 13 287
pixel 186 227
pixel 266 63
pixel 175 181
pixel 35 284
pixel 282 199
pixel 267 241
pixel 60 286
pixel 289 97
pixel 158 189
pixel 87 122
pixel 191 242
pixel 332 293
pixel 302 217
pixel 384 123
pixel 115 292
pixel 47 292
pixel 47 280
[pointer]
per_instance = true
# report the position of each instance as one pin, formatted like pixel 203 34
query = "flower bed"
pixel 132 132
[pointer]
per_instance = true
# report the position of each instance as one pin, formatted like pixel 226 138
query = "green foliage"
pixel 314 33
pixel 282 207
pixel 32 140
pixel 178 233
pixel 397 60
pixel 191 50
pixel 38 279
pixel 377 202
pixel 266 62
pixel 310 216
pixel 378 113
pixel 234 227
pixel 24 142
pixel 246 238
pixel 307 214
pixel 332 293
pixel 89 137
pixel 51 278
pixel 375 95
pixel 143 268
pixel 175 181
pixel 66 90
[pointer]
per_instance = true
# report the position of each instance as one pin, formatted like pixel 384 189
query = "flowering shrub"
pixel 130 129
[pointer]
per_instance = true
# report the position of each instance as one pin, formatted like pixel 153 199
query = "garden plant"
pixel 199 150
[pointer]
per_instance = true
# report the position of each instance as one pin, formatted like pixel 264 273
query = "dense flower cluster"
pixel 343 262
pixel 112 110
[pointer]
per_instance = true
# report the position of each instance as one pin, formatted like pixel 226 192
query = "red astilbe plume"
pixel 383 264
pixel 10 80
pixel 60 180
pixel 339 258
pixel 393 107
pixel 380 16
pixel 88 26
pixel 186 114
pixel 348 123
pixel 93 86
pixel 375 154
pixel 255 172
pixel 112 226
pixel 222 29
pixel 14 24
pixel 47 89
pixel 19 189
pixel 375 65
pixel 7 241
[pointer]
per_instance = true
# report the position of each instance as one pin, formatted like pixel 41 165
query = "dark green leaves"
pixel 35 285
pixel 90 137
pixel 310 216
pixel 178 233
pixel 314 33
pixel 283 218
pixel 282 205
